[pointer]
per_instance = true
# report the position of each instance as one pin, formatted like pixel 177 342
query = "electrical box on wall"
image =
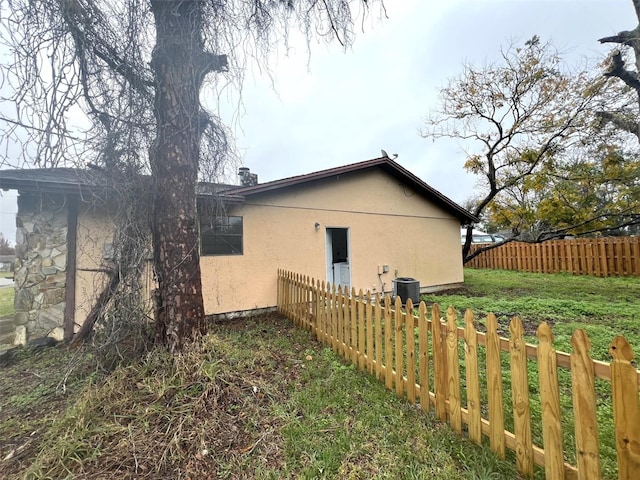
pixel 383 269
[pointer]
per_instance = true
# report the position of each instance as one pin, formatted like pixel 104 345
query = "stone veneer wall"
pixel 40 267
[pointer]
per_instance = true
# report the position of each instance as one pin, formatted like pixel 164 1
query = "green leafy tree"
pixel 135 69
pixel 597 191
pixel 516 118
pixel 596 188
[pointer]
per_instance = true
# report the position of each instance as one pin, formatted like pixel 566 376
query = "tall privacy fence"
pixel 522 397
pixel 611 256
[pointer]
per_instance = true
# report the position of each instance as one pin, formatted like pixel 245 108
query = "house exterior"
pixel 6 263
pixel 360 225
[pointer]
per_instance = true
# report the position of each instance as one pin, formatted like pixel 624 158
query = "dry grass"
pixel 258 398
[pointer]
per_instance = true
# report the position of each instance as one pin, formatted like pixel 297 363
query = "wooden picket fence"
pixel 602 257
pixel 420 357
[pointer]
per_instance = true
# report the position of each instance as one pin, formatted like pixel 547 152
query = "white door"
pixel 337 254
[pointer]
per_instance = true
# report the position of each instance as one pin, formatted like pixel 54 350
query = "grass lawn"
pixel 6 300
pixel 262 399
pixel 603 307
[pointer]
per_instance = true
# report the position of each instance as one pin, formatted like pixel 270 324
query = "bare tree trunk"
pixel 176 62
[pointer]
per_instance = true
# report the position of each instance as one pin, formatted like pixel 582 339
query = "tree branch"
pixel 620 122
pixel 616 69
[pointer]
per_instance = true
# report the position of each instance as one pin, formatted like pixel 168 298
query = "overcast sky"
pixel 336 107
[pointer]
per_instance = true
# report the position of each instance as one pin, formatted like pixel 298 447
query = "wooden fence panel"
pixel 603 257
pixel 378 339
pixel 627 262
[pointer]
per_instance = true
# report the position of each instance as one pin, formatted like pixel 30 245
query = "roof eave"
pixel 385 163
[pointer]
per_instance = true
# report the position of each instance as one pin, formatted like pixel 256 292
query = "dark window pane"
pixel 221 236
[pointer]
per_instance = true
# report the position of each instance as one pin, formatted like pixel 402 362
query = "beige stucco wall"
pixel 388 224
pixel 94 230
pixel 95 234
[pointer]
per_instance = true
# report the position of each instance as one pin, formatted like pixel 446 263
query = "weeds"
pixel 258 398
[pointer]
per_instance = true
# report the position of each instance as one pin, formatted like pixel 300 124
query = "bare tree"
pixel 135 70
pixel 515 116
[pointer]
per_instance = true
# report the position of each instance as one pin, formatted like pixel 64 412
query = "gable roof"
pixel 383 163
pixel 76 180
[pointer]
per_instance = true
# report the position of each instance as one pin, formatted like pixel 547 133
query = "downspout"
pixel 72 248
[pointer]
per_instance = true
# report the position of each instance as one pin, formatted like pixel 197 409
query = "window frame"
pixel 213 227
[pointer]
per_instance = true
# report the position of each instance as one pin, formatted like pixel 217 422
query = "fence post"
pixel 473 381
pixel 550 400
pixel 520 397
pixel 354 328
pixel 494 388
pixel 361 327
pixel 278 292
pixel 388 346
pixel 369 348
pixel 626 410
pixel 411 351
pixel 334 318
pixel 378 341
pixel 319 311
pixel 399 344
pixel 341 321
pixel 423 345
pixel 439 364
pixel 453 371
pixel 584 407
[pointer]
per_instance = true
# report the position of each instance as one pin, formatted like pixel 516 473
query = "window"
pixel 221 236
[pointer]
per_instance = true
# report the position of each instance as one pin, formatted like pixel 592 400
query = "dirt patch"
pixel 462 290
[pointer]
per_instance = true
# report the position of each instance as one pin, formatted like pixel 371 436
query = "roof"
pixel 383 163
pixel 68 180
pixel 74 180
